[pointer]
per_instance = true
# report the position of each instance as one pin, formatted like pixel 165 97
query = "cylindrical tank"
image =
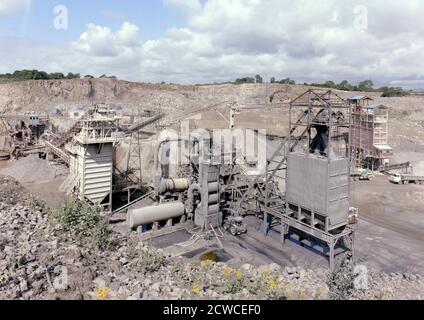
pixel 137 217
pixel 213 187
pixel 213 209
pixel 174 185
pixel 213 198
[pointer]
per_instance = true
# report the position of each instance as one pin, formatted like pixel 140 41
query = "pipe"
pixel 161 143
pixel 147 215
pixel 174 185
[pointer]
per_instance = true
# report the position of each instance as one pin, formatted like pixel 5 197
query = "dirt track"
pixel 390 232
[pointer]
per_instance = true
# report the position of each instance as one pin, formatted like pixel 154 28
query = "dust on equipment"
pixel 303 192
pixel 313 161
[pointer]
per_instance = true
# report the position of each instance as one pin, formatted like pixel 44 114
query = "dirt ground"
pixel 390 232
pixel 38 177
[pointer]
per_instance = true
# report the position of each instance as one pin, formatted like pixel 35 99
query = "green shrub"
pixel 341 281
pixel 149 261
pixel 86 224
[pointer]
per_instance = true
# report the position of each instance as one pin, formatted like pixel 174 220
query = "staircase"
pixel 277 162
pixel 134 202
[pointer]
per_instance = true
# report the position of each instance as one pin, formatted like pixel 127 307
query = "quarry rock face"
pixel 48 93
pixel 42 95
pixel 173 99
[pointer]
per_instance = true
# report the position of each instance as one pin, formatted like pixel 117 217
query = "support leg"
pixel 284 232
pixel 265 224
pixel 331 245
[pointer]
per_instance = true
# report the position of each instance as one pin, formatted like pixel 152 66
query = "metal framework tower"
pixel 134 172
pixel 316 159
pixel 370 126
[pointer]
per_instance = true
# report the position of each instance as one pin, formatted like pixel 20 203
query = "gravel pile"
pixel 38 260
pixel 32 169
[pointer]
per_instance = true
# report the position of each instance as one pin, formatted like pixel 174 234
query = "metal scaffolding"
pixel 315 158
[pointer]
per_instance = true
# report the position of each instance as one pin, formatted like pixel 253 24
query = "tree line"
pixel 42 75
pixel 38 75
pixel 362 86
pixel 258 79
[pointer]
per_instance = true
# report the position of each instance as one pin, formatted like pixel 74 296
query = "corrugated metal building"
pixel 91 160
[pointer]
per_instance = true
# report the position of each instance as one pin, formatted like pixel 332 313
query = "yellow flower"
pixel 322 293
pixel 272 284
pixel 267 273
pixel 228 271
pixel 197 289
pixel 206 264
pixel 384 293
pixel 288 291
pixel 103 293
pixel 239 274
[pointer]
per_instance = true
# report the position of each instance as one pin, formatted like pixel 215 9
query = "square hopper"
pixel 318 190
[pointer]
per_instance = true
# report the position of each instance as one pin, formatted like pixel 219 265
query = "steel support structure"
pixel 316 108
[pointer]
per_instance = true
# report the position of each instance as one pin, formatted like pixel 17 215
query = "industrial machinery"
pixel 197 195
pixel 304 189
pixel 235 225
pixel 358 174
pixel 313 161
pixel 316 204
pixel 20 134
pixel 91 160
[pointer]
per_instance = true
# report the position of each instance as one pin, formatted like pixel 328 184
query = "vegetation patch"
pixel 341 282
pixel 149 261
pixel 86 224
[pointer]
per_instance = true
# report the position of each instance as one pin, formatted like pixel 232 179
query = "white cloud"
pixel 226 39
pixel 102 42
pixel 10 8
pixel 186 7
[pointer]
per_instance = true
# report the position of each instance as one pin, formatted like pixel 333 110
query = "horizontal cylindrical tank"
pixel 213 198
pixel 137 217
pixel 174 185
pixel 213 187
pixel 213 209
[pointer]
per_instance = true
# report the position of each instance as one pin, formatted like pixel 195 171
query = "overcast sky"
pixel 193 41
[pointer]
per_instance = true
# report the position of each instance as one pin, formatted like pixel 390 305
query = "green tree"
pixel 57 75
pixel 245 80
pixel 273 80
pixel 393 92
pixel 287 81
pixel 366 85
pixel 345 85
pixel 259 79
pixel 330 84
pixel 73 76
